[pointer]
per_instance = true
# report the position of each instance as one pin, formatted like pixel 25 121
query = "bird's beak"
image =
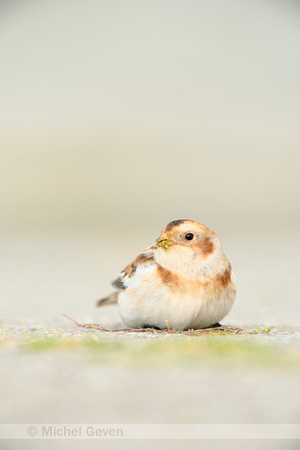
pixel 164 241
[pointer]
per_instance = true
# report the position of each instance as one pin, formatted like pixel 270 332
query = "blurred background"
pixel 118 117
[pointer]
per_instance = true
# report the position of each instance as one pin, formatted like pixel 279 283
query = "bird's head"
pixel 187 246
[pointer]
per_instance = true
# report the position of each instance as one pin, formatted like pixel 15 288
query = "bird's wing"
pixel 145 258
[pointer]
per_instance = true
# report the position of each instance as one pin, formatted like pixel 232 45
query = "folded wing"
pixel 125 277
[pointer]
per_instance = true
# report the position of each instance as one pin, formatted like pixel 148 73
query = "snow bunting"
pixel 183 281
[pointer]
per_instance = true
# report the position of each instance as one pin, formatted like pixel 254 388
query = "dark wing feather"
pixel 147 257
pixel 119 282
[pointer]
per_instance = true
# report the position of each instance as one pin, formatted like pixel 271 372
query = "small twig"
pixel 231 329
pixel 95 326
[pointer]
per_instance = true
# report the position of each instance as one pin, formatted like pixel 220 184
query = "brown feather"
pixel 206 246
pixel 147 257
pixel 112 298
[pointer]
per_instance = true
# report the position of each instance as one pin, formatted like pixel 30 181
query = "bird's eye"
pixel 189 236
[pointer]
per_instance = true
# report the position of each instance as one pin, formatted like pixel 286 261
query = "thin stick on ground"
pixel 222 329
pixel 93 326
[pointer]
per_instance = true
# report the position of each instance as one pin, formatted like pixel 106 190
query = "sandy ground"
pixel 53 371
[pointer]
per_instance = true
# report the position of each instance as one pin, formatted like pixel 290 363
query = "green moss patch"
pixel 170 351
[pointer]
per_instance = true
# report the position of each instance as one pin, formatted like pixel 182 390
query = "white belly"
pixel 148 302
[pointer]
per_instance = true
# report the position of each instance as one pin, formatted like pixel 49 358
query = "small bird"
pixel 184 281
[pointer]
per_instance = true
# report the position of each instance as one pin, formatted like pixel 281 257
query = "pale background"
pixel 116 118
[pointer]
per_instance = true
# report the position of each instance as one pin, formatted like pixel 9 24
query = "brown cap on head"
pixel 192 223
pixel 188 233
pixel 175 223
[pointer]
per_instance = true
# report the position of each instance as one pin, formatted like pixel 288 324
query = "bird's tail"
pixel 112 298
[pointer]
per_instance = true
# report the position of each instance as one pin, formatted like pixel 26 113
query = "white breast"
pixel 148 301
